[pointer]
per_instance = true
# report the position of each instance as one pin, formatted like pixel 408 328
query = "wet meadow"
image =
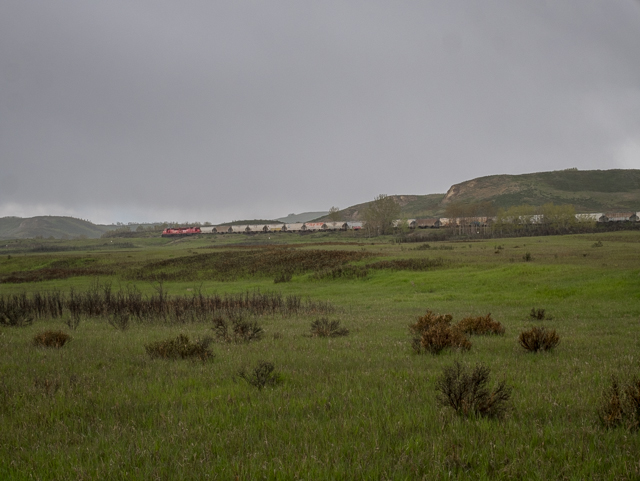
pixel 324 356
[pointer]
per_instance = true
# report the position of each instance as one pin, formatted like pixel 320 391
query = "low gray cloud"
pixel 211 111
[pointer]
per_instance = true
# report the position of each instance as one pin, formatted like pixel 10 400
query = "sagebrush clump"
pixel 181 348
pixel 467 393
pixel 55 339
pixel 620 405
pixel 539 339
pixel 237 330
pixel 262 375
pixel 433 333
pixel 323 327
pixel 481 325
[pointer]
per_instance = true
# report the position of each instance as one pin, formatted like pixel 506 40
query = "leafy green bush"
pixel 467 393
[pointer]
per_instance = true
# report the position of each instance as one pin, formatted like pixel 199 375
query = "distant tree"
pixel 380 214
pixel 334 214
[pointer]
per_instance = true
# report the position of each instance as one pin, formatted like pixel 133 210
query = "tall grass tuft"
pixel 262 375
pixel 323 327
pixel 539 339
pixel 620 405
pixel 237 330
pixel 467 393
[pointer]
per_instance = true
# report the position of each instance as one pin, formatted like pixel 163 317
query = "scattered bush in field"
pixel 539 338
pixel 621 405
pixel 408 264
pixel 539 315
pixel 434 333
pixel 73 321
pixel 55 339
pixel 597 244
pixel 238 330
pixel 467 392
pixel 323 327
pixel 527 257
pixel 440 337
pixel 180 348
pixel 14 315
pixel 480 325
pixel 429 320
pixel 119 319
pixel 422 247
pixel 342 272
pixel 284 276
pixel 260 376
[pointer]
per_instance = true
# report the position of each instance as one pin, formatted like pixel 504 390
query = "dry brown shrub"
pixel 429 320
pixel 620 406
pixel 466 391
pixel 55 339
pixel 180 348
pixel 323 327
pixel 481 325
pixel 539 338
pixel 433 333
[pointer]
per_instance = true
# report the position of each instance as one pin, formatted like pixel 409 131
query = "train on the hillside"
pixel 431 223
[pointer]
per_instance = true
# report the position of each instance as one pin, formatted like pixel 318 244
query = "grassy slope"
pixel 361 407
pixel 46 226
pixel 588 191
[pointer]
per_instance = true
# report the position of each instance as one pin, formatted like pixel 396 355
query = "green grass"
pixel 361 406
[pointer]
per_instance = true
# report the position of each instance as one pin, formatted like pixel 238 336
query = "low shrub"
pixel 13 315
pixel 237 330
pixel 433 333
pixel 180 348
pixel 429 320
pixel 539 315
pixel 55 339
pixel 440 337
pixel 620 406
pixel 467 393
pixel 284 276
pixel 262 375
pixel 342 272
pixel 119 319
pixel 73 321
pixel 597 244
pixel 527 257
pixel 539 338
pixel 481 325
pixel 323 327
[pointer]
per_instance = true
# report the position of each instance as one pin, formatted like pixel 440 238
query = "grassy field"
pixel 362 406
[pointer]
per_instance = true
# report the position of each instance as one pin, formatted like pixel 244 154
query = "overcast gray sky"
pixel 148 110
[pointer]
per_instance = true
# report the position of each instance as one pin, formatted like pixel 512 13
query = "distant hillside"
pixel 411 206
pixel 48 226
pixel 304 217
pixel 587 191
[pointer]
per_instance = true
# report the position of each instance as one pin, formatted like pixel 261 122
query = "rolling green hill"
pixel 48 226
pixel 587 191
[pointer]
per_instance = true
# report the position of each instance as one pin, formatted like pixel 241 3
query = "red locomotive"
pixel 180 231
